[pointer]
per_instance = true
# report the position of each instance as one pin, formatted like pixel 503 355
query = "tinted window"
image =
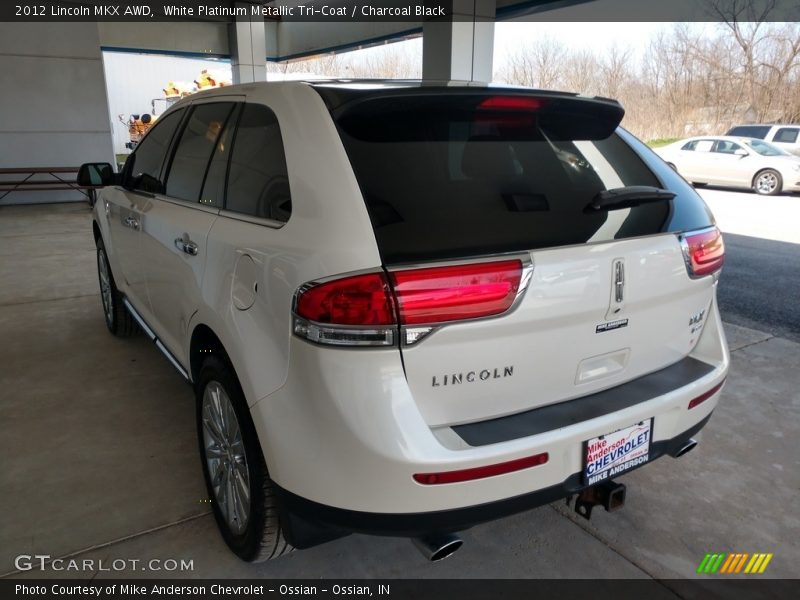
pixel 258 183
pixel 753 131
pixel 442 183
pixel 690 146
pixel 193 151
pixel 144 171
pixel 213 193
pixel 726 147
pixel 786 134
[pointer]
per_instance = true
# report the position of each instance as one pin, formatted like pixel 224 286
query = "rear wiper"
pixel 624 197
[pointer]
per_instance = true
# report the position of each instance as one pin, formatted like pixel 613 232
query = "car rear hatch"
pixel 518 280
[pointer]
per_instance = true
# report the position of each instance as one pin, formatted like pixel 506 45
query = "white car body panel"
pixel 174 278
pixel 118 211
pixel 360 404
pixel 329 232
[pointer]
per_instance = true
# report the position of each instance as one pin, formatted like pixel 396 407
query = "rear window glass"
pixel 753 131
pixel 787 135
pixel 445 181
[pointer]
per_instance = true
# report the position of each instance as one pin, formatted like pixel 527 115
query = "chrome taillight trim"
pixel 347 336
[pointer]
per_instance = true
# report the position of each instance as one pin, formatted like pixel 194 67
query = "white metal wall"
pixel 53 110
pixel 133 80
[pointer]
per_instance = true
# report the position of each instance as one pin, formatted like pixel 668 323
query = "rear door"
pixel 126 204
pixel 176 224
pixel 695 162
pixel 464 179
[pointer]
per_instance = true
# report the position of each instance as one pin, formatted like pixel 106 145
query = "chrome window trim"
pixel 187 203
pixel 271 223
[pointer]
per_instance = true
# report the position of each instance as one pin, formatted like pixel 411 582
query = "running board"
pixel 151 334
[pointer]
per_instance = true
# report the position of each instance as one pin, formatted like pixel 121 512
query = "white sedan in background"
pixel 736 162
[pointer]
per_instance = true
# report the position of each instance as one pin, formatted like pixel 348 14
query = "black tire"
pixel 768 183
pixel 118 320
pixel 262 536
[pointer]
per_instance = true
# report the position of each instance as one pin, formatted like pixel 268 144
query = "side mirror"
pixel 95 174
pixel 741 152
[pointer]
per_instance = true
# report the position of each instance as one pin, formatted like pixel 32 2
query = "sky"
pixel 580 35
pixel 509 37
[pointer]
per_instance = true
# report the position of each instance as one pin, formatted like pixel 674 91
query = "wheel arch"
pixel 204 342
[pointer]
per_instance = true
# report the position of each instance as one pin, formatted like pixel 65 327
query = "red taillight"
pixel 481 472
pixel 451 293
pixel 358 300
pixel 511 103
pixel 704 252
pixel 365 310
pixel 705 396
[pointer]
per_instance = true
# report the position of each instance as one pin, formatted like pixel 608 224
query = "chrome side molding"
pixel 149 332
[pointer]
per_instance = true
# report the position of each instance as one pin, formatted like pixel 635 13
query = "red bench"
pixel 43 179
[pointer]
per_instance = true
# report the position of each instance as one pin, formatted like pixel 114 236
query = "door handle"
pixel 186 245
pixel 131 222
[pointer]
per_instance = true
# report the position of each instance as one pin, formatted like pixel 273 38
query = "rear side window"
pixel 752 131
pixel 698 146
pixel 194 149
pixel 258 182
pixel 144 172
pixel 787 135
pixel 445 178
pixel 213 193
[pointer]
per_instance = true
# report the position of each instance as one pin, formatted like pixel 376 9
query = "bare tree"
pixel 615 70
pixel 538 64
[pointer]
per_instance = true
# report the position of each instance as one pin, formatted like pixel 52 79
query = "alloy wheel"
pixel 766 183
pixel 225 457
pixel 105 286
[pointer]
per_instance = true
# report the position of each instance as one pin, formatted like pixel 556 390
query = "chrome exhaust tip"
pixel 436 547
pixel 686 448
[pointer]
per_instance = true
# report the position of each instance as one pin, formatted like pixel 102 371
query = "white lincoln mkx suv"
pixel 410 307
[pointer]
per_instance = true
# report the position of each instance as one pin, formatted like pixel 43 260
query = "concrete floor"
pixel 100 460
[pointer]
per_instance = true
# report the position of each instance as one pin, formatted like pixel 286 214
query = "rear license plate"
pixel 614 453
